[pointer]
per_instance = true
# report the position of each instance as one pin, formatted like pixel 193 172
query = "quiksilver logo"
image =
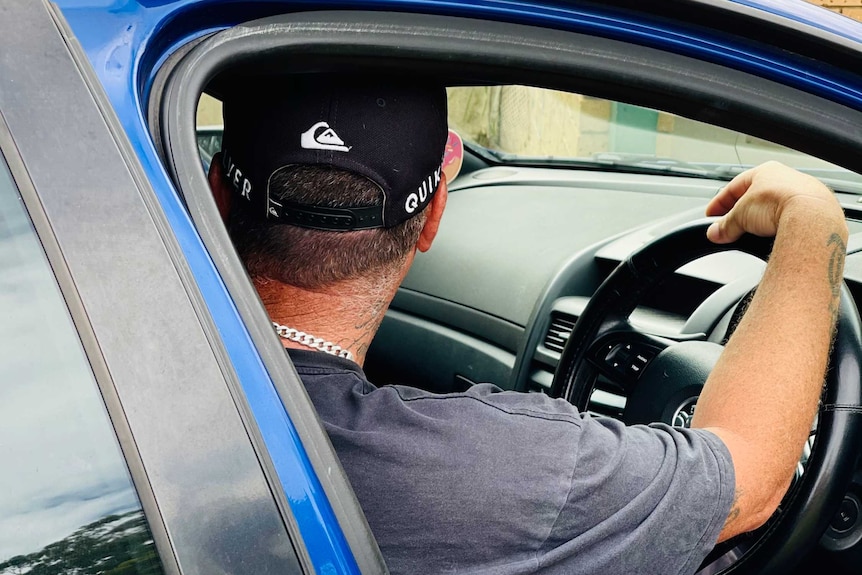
pixel 236 177
pixel 417 198
pixel 321 137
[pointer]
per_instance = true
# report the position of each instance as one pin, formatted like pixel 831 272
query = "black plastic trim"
pixel 475 322
pixel 32 203
pixel 752 24
pixel 448 357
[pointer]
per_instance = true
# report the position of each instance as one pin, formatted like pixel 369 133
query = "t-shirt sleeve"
pixel 642 496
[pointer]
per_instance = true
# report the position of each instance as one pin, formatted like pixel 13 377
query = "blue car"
pixel 150 421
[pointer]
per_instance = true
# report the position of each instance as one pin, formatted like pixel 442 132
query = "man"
pixel 330 188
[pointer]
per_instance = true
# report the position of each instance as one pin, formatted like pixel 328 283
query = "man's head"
pixel 328 178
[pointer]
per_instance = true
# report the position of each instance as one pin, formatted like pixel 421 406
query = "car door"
pixel 138 53
pixel 124 440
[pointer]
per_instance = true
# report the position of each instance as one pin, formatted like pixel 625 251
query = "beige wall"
pixel 209 112
pixel 522 120
pixel 851 8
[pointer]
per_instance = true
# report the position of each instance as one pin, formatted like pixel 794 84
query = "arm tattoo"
pixel 836 267
pixel 734 508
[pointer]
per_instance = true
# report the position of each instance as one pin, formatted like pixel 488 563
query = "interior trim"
pixel 475 322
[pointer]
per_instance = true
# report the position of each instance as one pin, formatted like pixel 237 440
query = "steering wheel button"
pixel 635 368
pixel 620 368
pixel 846 517
pixel 613 350
pixel 617 354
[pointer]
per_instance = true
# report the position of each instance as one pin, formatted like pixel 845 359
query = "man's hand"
pixel 762 395
pixel 755 200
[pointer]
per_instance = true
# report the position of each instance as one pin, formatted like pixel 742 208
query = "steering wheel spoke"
pixel 621 356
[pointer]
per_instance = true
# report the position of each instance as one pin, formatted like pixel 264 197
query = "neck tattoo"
pixel 311 341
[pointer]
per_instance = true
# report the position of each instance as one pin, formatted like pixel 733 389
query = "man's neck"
pixel 346 315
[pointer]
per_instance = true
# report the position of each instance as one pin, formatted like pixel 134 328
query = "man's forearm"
pixel 763 393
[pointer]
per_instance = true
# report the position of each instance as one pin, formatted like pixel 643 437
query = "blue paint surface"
pixel 125 41
pixel 810 14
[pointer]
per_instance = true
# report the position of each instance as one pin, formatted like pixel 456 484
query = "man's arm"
pixel 762 395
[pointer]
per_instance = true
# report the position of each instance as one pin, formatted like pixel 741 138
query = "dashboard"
pixel 519 253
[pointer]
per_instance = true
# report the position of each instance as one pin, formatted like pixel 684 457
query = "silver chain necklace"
pixel 311 341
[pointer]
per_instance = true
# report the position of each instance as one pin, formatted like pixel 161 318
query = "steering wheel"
pixel 662 378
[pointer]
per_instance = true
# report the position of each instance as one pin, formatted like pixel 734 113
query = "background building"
pixel 851 8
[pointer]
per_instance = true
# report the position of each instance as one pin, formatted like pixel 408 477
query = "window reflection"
pixel 67 503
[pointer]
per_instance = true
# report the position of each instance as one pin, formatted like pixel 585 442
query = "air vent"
pixel 559 332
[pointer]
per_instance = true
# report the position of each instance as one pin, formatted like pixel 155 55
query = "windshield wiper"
pixel 837 179
pixel 626 163
pixel 656 164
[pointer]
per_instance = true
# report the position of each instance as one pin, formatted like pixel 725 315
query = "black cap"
pixel 391 132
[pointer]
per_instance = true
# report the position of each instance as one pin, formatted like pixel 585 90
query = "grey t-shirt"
pixel 488 481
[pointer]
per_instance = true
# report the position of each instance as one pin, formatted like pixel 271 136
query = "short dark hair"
pixel 309 258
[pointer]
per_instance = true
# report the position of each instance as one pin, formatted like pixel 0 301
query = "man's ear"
pixel 221 189
pixel 435 212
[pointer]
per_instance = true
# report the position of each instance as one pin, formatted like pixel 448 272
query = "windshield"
pixel 539 127
pixel 535 126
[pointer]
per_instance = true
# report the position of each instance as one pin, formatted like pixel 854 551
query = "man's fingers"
pixel 728 229
pixel 727 196
pixel 724 231
pixel 720 204
pixel 755 199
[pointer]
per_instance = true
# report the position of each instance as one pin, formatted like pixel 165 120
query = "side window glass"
pixel 67 503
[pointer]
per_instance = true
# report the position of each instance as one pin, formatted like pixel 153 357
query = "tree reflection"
pixel 114 545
